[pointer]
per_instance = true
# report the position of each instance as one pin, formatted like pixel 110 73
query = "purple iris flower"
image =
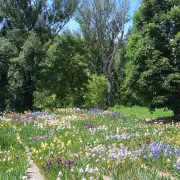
pixel 89 126
pixel 48 164
pixel 58 160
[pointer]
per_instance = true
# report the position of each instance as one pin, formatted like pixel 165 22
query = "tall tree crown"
pixel 153 74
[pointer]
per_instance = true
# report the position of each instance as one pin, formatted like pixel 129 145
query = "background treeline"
pixel 43 65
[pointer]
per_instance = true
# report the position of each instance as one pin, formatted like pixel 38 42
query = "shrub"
pixel 96 91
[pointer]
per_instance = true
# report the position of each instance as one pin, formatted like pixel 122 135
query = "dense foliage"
pixel 26 29
pixel 64 73
pixel 152 73
pixel 96 91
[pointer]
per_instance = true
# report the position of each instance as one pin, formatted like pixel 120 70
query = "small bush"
pixel 96 91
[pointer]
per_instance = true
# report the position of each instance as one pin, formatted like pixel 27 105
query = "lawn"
pixel 143 112
pixel 88 145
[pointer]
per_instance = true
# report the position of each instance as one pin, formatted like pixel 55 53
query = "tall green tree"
pixel 104 21
pixel 64 72
pixel 24 71
pixel 7 51
pixel 30 25
pixel 153 73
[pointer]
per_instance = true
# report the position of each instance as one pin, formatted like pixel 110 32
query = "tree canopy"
pixel 153 73
pixel 29 26
pixel 36 14
pixel 64 71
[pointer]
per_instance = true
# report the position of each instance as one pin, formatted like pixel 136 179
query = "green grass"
pixel 143 112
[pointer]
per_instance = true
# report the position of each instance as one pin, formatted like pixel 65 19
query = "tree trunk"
pixel 2 105
pixel 109 95
pixel 176 115
pixel 110 82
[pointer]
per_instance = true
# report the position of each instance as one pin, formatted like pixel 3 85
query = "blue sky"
pixel 134 4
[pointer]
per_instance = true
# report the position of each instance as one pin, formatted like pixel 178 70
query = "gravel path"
pixel 33 172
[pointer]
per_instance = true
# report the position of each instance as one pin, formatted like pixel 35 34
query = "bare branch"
pixel 107 18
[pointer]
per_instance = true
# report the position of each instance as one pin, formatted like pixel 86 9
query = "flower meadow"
pixel 13 161
pixel 70 144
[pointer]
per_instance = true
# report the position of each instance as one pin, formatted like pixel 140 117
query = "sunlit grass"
pixel 143 112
